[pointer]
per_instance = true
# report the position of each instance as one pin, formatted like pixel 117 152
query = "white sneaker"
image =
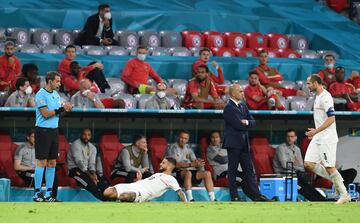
pixel 344 199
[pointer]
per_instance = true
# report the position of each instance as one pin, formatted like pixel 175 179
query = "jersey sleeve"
pixel 40 100
pixel 328 105
pixel 173 184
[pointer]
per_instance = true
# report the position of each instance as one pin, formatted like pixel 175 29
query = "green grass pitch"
pixel 176 212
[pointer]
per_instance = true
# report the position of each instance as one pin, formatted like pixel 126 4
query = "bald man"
pixel 236 140
pixel 85 98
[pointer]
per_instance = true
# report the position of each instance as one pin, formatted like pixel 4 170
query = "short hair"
pixel 205 49
pixel 316 78
pixel 69 47
pixel 213 132
pixel 140 47
pixel 340 68
pixel 20 82
pixel 137 138
pixel 29 133
pixel 183 131
pixel 9 43
pixel 50 76
pixel 73 63
pixel 253 72
pixel 290 130
pixel 329 55
pixel 85 129
pixel 263 51
pixel 205 67
pixel 103 6
pixel 28 67
pixel 171 160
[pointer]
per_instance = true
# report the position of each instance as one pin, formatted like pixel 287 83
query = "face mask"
pixel 330 66
pixel 141 57
pixel 107 15
pixel 161 94
pixel 28 90
pixel 85 93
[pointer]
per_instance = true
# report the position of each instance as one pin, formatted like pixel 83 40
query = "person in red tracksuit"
pixel 204 57
pixel 258 97
pixel 354 79
pixel 270 77
pixel 328 74
pixel 341 89
pixel 31 72
pixel 10 67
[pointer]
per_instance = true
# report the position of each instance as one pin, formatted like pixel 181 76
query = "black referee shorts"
pixel 46 143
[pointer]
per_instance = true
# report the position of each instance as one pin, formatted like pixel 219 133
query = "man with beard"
pixel 149 188
pixel 199 89
pixel 82 165
pixel 10 67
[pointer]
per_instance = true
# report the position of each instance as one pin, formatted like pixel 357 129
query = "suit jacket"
pixel 236 133
pixel 88 35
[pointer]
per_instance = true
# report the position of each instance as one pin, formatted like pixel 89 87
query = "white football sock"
pixel 189 195
pixel 338 182
pixel 212 196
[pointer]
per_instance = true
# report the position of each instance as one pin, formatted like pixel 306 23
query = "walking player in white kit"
pixel 320 156
pixel 149 188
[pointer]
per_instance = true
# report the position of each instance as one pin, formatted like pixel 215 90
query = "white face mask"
pixel 28 90
pixel 107 15
pixel 141 57
pixel 85 93
pixel 161 94
pixel 330 66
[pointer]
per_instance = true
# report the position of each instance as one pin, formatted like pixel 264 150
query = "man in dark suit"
pixel 236 140
pixel 98 29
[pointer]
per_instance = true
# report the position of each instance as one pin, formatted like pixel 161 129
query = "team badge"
pixel 153 41
pixel 45 39
pixel 22 37
pixel 132 40
pixel 196 41
pixel 281 42
pixel 66 39
pixel 239 42
pixel 302 44
pixel 218 41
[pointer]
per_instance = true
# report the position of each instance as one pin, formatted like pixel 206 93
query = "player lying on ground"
pixel 149 188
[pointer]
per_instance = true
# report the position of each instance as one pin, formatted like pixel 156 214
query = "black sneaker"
pixel 38 197
pixel 192 200
pixel 51 199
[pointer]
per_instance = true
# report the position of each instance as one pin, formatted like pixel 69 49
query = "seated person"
pixel 149 188
pixel 10 67
pixel 354 79
pixel 159 100
pixel 85 98
pixel 31 72
pixel 98 29
pixel 81 160
pixel 204 57
pixel 260 98
pixel 270 77
pixel 327 75
pixel 25 162
pixel 289 152
pixel 133 161
pixel 23 96
pixel 70 75
pixel 136 73
pixel 190 168
pixel 198 90
pixel 343 91
pixel 218 159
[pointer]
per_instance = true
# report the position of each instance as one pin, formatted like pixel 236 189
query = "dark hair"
pixel 103 6
pixel 263 51
pixel 27 68
pixel 50 76
pixel 205 67
pixel 253 72
pixel 171 160
pixel 183 131
pixel 9 43
pixel 290 130
pixel 340 68
pixel 140 47
pixel 315 78
pixel 29 133
pixel 212 132
pixel 85 129
pixel 329 55
pixel 70 46
pixel 204 50
pixel 20 82
pixel 73 63
pixel 137 138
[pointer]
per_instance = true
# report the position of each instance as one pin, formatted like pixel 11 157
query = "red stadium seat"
pixel 192 39
pixel 7 150
pixel 289 53
pixel 337 5
pixel 256 40
pixel 110 147
pixel 214 39
pixel 157 147
pixel 223 52
pixel 245 52
pixel 260 144
pixel 304 145
pixel 262 164
pixel 235 40
pixel 322 182
pixel 277 41
pixel 62 167
pixel 262 154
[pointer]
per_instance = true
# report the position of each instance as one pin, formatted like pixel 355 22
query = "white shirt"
pixel 237 104
pixel 156 185
pixel 322 104
pixel 101 26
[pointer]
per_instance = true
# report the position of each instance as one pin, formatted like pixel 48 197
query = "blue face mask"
pixel 141 57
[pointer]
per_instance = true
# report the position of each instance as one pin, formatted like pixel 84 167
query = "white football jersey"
pixel 156 185
pixel 323 103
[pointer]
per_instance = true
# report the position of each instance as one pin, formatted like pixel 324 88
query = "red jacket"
pixel 250 92
pixel 328 76
pixel 216 79
pixel 268 74
pixel 337 88
pixel 137 72
pixel 9 73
